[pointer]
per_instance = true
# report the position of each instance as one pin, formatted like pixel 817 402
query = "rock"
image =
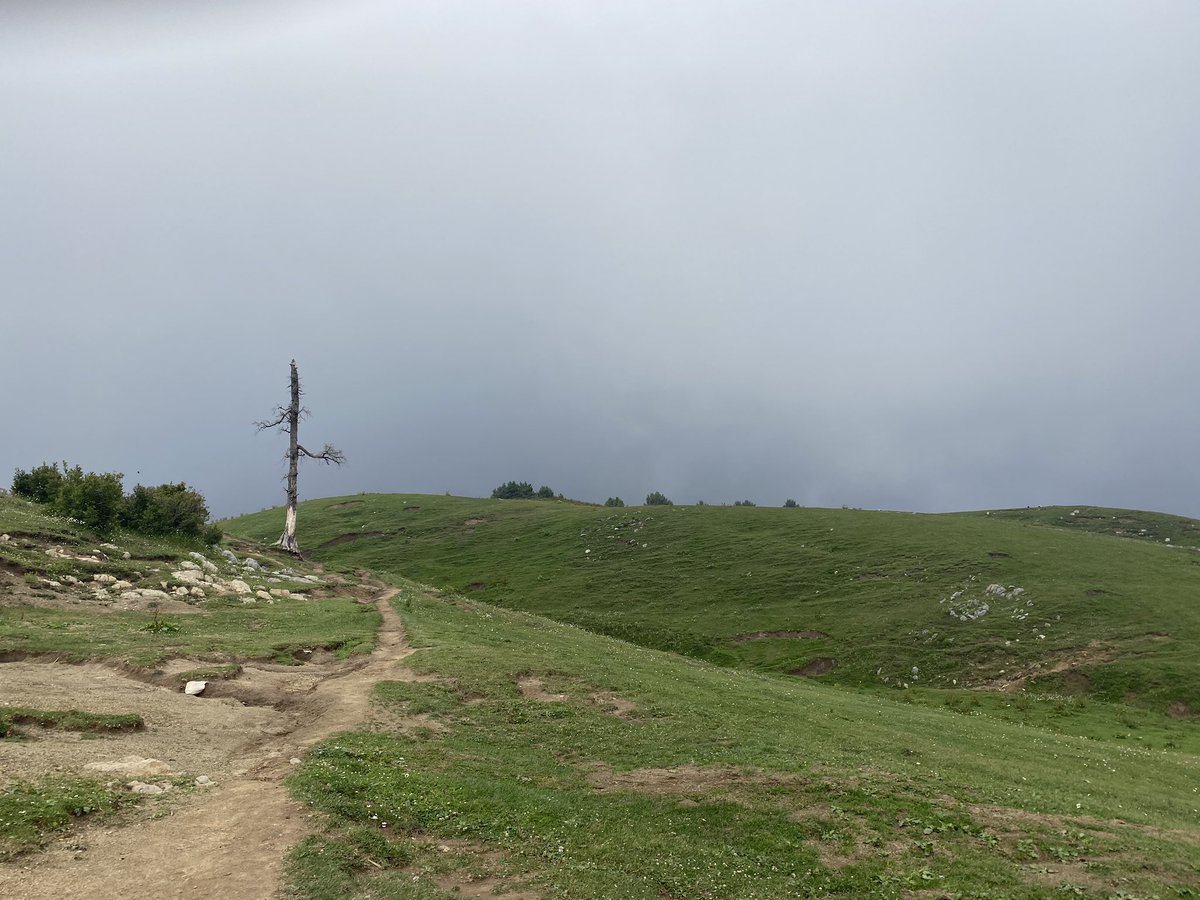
pixel 195 688
pixel 205 563
pixel 151 594
pixel 104 579
pixel 189 576
pixel 262 595
pixel 133 766
pixel 295 761
pixel 5 538
pixel 198 593
pixel 204 781
pixel 180 592
pixel 251 563
pixel 228 555
pixel 140 787
pixel 125 555
pixel 188 564
pixel 70 579
pixel 239 587
pixel 122 586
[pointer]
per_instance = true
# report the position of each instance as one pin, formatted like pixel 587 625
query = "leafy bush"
pixel 614 501
pixel 545 493
pixel 657 499
pixel 789 503
pixel 743 503
pixel 514 490
pixel 41 485
pixel 97 499
pixel 166 508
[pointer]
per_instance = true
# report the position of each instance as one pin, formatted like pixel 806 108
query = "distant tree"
pixel 657 499
pixel 743 502
pixel 789 503
pixel 41 484
pixel 514 490
pixel 287 420
pixel 545 493
pixel 614 501
pixel 701 503
pixel 97 499
pixel 166 508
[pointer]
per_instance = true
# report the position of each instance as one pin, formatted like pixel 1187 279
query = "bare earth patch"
pixel 532 688
pixel 617 706
pixel 228 841
pixel 770 635
pixel 1094 653
pixel 821 665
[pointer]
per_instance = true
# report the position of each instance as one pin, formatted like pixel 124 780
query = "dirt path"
pixel 228 841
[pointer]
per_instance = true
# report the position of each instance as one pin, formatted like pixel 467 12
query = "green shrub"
pixel 212 535
pixel 545 493
pixel 614 501
pixel 743 503
pixel 97 499
pixel 789 503
pixel 41 485
pixel 514 490
pixel 167 508
pixel 657 499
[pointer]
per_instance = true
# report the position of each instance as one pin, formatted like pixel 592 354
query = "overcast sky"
pixel 922 255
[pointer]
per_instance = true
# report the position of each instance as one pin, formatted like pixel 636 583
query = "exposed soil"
pixel 685 780
pixel 227 841
pixel 477 586
pixel 344 504
pixel 771 635
pixel 618 706
pixel 471 523
pixel 1093 654
pixel 814 668
pixel 532 688
pixel 1179 710
pixel 998 554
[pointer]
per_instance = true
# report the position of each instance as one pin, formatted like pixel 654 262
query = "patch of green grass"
pixel 230 631
pixel 29 811
pixel 68 720
pixel 880 586
pixel 721 783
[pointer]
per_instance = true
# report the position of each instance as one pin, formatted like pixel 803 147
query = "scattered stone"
pixel 204 781
pixel 104 579
pixel 195 688
pixel 205 563
pixel 228 555
pixel 188 564
pixel 251 563
pixel 295 761
pixel 197 592
pixel 132 766
pixel 70 579
pixel 5 538
pixel 140 787
pixel 239 587
pixel 125 555
pixel 180 592
pixel 262 595
pixel 122 586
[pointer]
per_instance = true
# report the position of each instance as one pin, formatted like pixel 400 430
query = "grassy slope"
pixel 788 787
pixel 691 579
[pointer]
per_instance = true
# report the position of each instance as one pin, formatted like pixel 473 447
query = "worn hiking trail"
pixel 228 841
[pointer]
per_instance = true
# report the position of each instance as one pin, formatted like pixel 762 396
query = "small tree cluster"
pixel 614 501
pixel 655 498
pixel 522 490
pixel 98 500
pixel 743 503
pixel 789 503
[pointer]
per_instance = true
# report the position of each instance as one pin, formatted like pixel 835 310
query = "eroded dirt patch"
pixel 533 688
pixel 350 538
pixel 617 706
pixel 814 668
pixel 1095 653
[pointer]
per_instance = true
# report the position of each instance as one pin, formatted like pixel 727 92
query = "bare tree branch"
pixel 328 454
pixel 280 416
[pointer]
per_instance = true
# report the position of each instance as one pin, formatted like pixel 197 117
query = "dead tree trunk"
pixel 287 419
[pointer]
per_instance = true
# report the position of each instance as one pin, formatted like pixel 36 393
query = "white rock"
pixel 133 766
pixel 251 563
pixel 204 781
pixel 122 586
pixel 151 594
pixel 5 538
pixel 228 554
pixel 125 555
pixel 198 593
pixel 104 579
pixel 205 563
pixel 239 587
pixel 295 760
pixel 139 787
pixel 262 595
pixel 189 576
pixel 188 564
pixel 180 592
pixel 70 579
pixel 195 688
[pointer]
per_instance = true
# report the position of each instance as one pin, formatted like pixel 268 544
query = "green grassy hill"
pixel 872 599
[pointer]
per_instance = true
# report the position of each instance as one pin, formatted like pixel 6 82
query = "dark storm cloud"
pixel 924 256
